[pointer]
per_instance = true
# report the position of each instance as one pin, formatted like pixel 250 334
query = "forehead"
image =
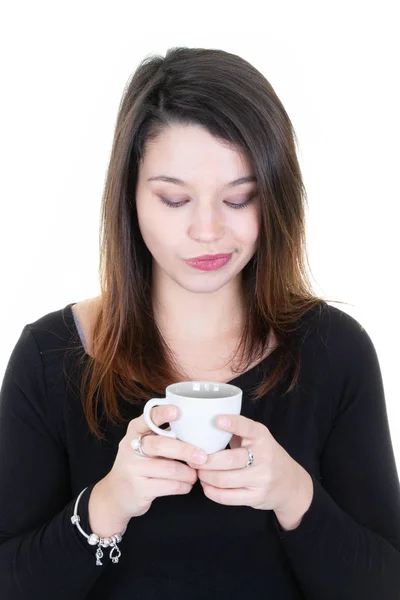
pixel 192 154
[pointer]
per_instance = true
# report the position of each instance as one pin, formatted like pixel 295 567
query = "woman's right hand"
pixel 134 481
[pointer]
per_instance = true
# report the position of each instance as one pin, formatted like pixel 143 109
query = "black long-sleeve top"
pixel 334 423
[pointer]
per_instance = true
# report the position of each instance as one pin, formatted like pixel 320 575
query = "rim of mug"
pixel 223 384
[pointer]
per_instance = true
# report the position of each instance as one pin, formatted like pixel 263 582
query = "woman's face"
pixel 205 221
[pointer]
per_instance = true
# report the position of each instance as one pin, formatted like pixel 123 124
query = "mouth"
pixel 209 262
pixel 209 257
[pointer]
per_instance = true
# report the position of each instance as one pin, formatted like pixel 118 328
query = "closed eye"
pixel 233 205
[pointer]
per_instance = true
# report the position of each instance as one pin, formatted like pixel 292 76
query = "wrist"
pixel 103 519
pixel 291 515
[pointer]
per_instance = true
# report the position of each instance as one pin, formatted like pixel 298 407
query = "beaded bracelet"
pixel 95 540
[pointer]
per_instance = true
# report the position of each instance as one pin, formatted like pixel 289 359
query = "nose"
pixel 206 224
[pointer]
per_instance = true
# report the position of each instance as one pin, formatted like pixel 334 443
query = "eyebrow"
pixel 177 181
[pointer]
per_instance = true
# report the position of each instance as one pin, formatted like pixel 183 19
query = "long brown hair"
pixel 235 103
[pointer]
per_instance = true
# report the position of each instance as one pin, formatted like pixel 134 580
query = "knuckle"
pixel 188 476
pixel 130 430
pixel 219 480
pixel 172 470
pixel 124 444
pixel 230 461
pixel 178 486
pixel 156 443
pixel 193 477
pixel 266 479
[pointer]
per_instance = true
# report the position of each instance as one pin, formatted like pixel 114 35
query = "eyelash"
pixel 230 204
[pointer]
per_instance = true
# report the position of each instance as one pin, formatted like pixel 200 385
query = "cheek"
pixel 148 226
pixel 157 236
pixel 247 230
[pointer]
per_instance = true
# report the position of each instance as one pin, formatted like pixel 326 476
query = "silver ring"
pixel 251 458
pixel 137 445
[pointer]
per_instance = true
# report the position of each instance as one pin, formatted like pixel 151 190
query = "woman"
pixel 305 501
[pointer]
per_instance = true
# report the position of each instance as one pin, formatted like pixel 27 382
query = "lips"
pixel 209 262
pixel 209 257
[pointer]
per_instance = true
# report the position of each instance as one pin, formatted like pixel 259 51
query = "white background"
pixel 333 65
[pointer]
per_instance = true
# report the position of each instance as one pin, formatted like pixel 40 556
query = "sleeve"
pixel 42 555
pixel 347 545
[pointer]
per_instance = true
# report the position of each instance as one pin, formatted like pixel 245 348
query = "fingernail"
pixel 200 456
pixel 171 413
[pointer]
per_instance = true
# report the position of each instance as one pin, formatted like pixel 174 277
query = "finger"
pixel 225 460
pixel 161 487
pixel 161 468
pixel 237 478
pixel 240 425
pixel 159 445
pixel 239 497
pixel 159 416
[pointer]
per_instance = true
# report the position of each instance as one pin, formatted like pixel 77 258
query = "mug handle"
pixel 146 414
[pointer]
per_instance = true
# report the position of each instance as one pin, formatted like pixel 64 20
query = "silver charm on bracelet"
pixel 94 540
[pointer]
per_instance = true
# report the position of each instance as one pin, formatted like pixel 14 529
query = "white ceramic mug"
pixel 199 404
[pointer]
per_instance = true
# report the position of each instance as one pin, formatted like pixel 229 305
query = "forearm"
pixel 51 561
pixel 333 556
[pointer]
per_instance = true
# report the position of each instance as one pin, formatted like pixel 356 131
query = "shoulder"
pixel 86 312
pixel 348 350
pixel 342 333
pixel 48 333
pixel 333 328
pixel 53 329
pixel 48 338
pixel 337 349
pixel 332 337
pixel 57 330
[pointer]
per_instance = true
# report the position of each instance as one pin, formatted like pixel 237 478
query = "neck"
pixel 185 315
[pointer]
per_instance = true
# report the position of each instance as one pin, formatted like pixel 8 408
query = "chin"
pixel 203 289
pixel 206 284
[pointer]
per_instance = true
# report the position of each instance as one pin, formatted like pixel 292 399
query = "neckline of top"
pixel 68 312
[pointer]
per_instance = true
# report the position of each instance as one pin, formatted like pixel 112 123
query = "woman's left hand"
pixel 275 481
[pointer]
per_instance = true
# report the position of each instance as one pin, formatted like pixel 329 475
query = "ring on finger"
pixel 137 445
pixel 251 457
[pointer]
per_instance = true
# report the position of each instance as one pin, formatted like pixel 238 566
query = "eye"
pixel 242 204
pixel 169 203
pixel 233 205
